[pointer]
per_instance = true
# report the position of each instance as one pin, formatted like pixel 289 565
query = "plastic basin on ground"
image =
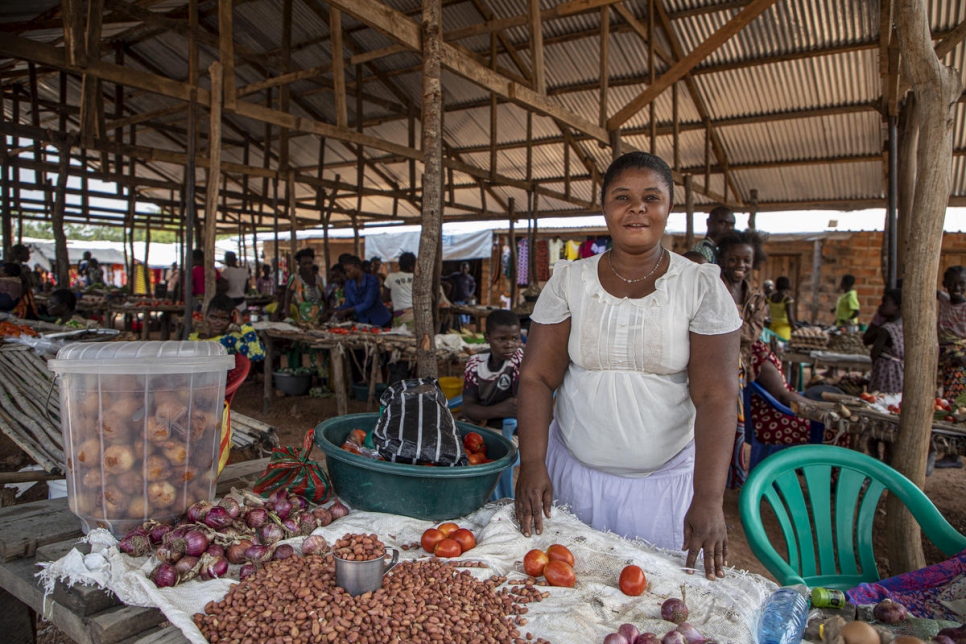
pixel 429 493
pixel 292 385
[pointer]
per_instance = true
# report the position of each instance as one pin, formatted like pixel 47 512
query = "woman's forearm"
pixel 715 424
pixel 533 421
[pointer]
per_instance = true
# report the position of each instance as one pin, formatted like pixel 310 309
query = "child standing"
pixel 491 379
pixel 847 307
pixel 888 349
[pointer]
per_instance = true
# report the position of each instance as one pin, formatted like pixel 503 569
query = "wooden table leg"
pixel 17 621
pixel 146 326
pixel 269 362
pixel 372 378
pixel 165 326
pixel 337 361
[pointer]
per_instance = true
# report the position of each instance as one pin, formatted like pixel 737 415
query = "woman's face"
pixel 353 271
pixel 636 206
pixel 737 262
pixel 956 286
pixel 888 309
pixel 218 322
pixel 305 263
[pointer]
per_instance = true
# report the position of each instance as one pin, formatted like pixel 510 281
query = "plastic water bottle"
pixel 782 619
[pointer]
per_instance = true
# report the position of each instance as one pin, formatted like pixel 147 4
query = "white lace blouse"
pixel 624 405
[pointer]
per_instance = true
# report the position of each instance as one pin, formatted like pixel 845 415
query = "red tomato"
pixel 357 436
pixel 447 529
pixel 473 443
pixel 476 459
pixel 465 538
pixel 632 581
pixel 430 539
pixel 557 552
pixel 534 562
pixel 559 573
pixel 448 548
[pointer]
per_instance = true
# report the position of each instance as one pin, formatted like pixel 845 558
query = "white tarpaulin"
pixel 389 246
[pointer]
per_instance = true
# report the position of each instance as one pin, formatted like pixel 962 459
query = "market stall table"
pixel 130 309
pixel 477 312
pixel 794 361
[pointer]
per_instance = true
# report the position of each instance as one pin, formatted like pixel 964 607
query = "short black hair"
pixel 220 302
pixel 638 161
pixel 305 252
pixel 894 294
pixel 695 255
pixel 953 272
pixel 407 262
pixel 848 280
pixel 350 260
pixel 748 237
pixel 501 317
pixel 66 297
pixel 337 268
pixel 783 283
pixel 344 256
pixel 266 270
pixel 197 255
pixel 11 269
pixel 720 211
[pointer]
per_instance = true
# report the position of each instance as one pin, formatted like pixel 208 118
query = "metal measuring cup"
pixel 358 577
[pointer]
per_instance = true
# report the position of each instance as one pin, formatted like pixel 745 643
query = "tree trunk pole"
pixel 214 175
pixel 61 263
pixel 689 211
pixel 937 89
pixel 890 235
pixel 511 203
pixel 908 143
pixel 432 206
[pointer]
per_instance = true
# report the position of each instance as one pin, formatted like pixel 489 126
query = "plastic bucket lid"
pixel 142 358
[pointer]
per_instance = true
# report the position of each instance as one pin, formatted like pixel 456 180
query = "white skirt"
pixel 650 508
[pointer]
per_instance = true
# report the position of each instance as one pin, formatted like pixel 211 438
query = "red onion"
pixel 323 515
pixel 236 552
pixel 158 531
pixel 647 638
pixel 299 502
pixel 283 508
pixel 270 533
pixel 338 510
pixel 291 527
pixel 674 637
pixel 284 551
pixel 218 518
pixel 314 545
pixel 187 568
pixel 215 550
pixel 164 576
pixel 136 545
pixel 629 631
pixel 280 493
pixel 615 638
pixel 246 571
pixel 231 505
pixel 167 554
pixel 690 633
pixel 197 512
pixel 308 523
pixel 195 543
pixel 259 553
pixel 674 610
pixel 256 517
pixel 213 567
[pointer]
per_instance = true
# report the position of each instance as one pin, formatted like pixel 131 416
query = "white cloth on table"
pixel 624 405
pixel 650 508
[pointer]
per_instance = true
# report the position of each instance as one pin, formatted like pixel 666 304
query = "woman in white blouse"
pixel 641 347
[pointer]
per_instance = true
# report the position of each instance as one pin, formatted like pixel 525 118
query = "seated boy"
pixel 60 310
pixel 11 286
pixel 220 327
pixel 491 379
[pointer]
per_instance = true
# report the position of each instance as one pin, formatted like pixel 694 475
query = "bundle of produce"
pixel 808 338
pixel 849 343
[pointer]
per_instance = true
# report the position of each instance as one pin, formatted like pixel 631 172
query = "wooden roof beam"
pixel 689 62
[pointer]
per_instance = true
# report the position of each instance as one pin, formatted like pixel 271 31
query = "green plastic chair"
pixel 838 521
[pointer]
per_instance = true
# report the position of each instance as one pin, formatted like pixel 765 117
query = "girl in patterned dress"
pixel 952 341
pixel 888 349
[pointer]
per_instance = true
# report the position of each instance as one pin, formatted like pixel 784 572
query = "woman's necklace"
pixel 640 279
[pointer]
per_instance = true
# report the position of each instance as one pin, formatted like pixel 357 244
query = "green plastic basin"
pixel 429 493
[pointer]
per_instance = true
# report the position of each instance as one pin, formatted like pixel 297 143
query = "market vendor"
pixel 491 380
pixel 304 293
pixel 362 297
pixel 221 325
pixel 398 289
pixel 634 342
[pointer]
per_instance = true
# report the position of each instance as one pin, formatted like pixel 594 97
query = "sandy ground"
pixel 294 416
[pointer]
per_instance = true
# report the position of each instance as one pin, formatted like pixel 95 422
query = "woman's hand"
pixel 534 496
pixel 705 529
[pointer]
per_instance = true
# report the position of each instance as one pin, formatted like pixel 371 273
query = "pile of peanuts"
pixel 359 547
pixel 296 601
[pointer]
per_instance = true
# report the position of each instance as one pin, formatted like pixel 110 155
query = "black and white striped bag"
pixel 416 425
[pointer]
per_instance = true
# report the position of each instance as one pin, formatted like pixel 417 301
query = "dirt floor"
pixel 294 416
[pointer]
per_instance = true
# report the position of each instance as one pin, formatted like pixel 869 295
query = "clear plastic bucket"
pixel 142 426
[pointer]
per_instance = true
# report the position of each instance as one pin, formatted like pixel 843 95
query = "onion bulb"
pixel 323 515
pixel 690 633
pixel 161 494
pixel 629 631
pixel 270 533
pixel 118 459
pixel 284 551
pixel 314 545
pixel 136 545
pixel 196 543
pixel 256 517
pixel 338 510
pixel 235 553
pixel 164 576
pixel 213 567
pixel 615 638
pixel 217 518
pixel 259 553
pixel 246 571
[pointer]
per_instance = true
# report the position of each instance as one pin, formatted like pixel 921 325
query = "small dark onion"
pixel 235 553
pixel 187 567
pixel 136 545
pixel 166 554
pixel 259 553
pixel 246 571
pixel 218 518
pixel 284 551
pixel 158 531
pixel 195 543
pixel 231 505
pixel 197 512
pixel 213 567
pixel 256 517
pixel 299 502
pixel 890 612
pixel 674 637
pixel 270 533
pixel 314 545
pixel 308 523
pixel 616 638
pixel 629 631
pixel 164 576
pixel 690 633
pixel 283 508
pixel 338 510
pixel 674 610
pixel 215 550
pixel 291 527
pixel 323 515
pixel 647 638
pixel 280 493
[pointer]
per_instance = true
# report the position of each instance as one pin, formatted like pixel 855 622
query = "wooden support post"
pixel 536 47
pixel 707 155
pixel 532 243
pixel 412 144
pixel 689 211
pixel 193 64
pixel 511 206
pixel 753 210
pixel 61 262
pixel 285 91
pixel 937 90
pixel 892 203
pixel 908 144
pixel 676 117
pixel 267 385
pixel 291 208
pixel 432 205
pixel 494 106
pixel 190 216
pixel 615 145
pixel 604 64
pixel 214 177
pixel 91 104
pixel 338 67
pixel 337 364
pixel 226 52
pixel 816 278
pixel 6 202
pixel 652 74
